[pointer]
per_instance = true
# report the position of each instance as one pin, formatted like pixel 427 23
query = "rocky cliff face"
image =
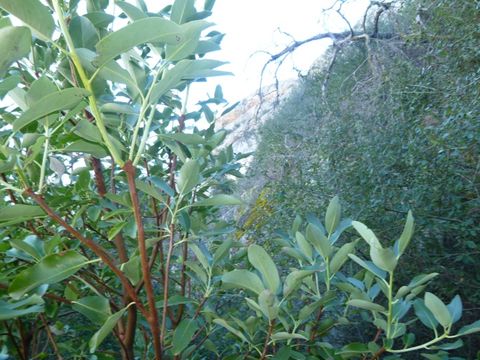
pixel 243 122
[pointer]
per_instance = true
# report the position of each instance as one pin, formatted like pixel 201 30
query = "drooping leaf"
pixel 264 264
pixel 152 29
pixel 438 309
pixel 183 335
pixel 61 100
pixel 243 279
pixel 33 13
pixel 51 269
pixel 16 41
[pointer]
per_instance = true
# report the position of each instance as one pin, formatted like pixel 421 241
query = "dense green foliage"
pixel 112 243
pixel 397 128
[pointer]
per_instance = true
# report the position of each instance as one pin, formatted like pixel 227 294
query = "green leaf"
pixel 447 346
pixel 282 335
pixel 406 234
pixel 32 304
pixel 341 256
pixel 31 245
pixel 16 42
pixel 189 176
pixel 95 308
pixel 424 314
pixel 182 71
pixel 20 212
pixel 61 100
pixel 366 234
pixel 82 146
pixel 318 239
pixel 106 329
pixel 455 308
pixel 304 246
pixel 385 259
pixel 8 84
pixel 367 305
pixel 230 328
pixel 132 269
pixel 219 200
pixel 152 29
pixel 182 10
pixel 333 214
pixel 294 279
pixel 116 229
pixel 33 13
pixel 244 279
pixel 438 309
pixel 133 12
pixel 268 304
pixel 470 329
pixel 191 31
pixel 51 269
pixel 368 266
pixel 264 264
pixel 86 130
pixel 186 139
pixel 222 250
pixel 83 33
pixel 149 190
pixel 183 335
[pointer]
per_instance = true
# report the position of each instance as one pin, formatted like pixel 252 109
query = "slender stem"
pixel 267 339
pixel 146 131
pixel 419 347
pixel 141 115
pixel 51 338
pixel 87 84
pixel 327 273
pixel 44 158
pixel 390 306
pixel 165 280
pixel 142 248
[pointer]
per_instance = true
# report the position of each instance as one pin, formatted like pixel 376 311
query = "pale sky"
pixel 252 26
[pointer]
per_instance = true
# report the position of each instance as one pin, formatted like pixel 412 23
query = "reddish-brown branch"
pixel 14 341
pixel 97 249
pixel 51 338
pixel 142 248
pixel 267 339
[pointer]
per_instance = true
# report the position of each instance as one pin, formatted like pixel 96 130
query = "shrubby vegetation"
pixel 389 127
pixel 111 236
